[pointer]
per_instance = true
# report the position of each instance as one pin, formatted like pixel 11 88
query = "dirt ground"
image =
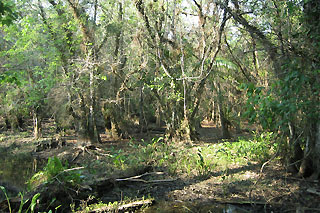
pixel 246 187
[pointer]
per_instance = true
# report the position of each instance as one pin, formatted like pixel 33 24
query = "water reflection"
pixel 17 167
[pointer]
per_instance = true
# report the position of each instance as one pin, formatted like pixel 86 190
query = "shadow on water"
pixel 193 207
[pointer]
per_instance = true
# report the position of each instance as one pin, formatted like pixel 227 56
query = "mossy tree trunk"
pixel 88 108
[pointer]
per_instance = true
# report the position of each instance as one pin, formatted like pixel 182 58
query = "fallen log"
pixel 128 207
pixel 101 186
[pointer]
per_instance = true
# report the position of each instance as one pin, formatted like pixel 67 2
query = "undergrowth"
pixel 55 170
pixel 175 158
pixel 199 160
pixel 31 207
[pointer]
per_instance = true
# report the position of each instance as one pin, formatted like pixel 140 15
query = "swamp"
pixel 159 106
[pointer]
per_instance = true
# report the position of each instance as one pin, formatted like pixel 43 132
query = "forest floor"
pixel 210 175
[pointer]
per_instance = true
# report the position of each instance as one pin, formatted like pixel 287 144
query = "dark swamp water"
pixel 16 168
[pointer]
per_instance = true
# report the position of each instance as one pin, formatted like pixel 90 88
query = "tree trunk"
pixel 37 133
pixel 142 122
pixel 170 125
pixel 215 114
pixel 312 24
pixel 294 142
pixel 158 115
pixel 223 121
pixel 316 156
pixel 310 166
pixel 8 124
pixel 87 131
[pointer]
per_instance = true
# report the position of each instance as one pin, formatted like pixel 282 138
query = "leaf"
pixel 5 193
pixel 222 62
pixel 3 189
pixel 34 201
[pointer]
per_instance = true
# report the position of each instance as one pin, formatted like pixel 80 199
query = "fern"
pixel 52 171
pixel 222 62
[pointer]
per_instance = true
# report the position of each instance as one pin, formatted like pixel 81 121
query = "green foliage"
pixel 198 161
pixel 202 165
pixel 6 195
pixel 53 167
pixel 9 77
pixel 260 106
pixel 274 107
pixel 159 154
pixel 55 170
pixel 28 63
pixel 225 63
pixel 7 12
pixel 34 202
pixel 258 149
pixel 22 202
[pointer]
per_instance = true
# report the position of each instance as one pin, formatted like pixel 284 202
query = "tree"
pixel 183 57
pixel 79 55
pixel 290 101
pixel 28 69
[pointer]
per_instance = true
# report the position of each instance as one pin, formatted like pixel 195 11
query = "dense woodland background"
pixel 122 67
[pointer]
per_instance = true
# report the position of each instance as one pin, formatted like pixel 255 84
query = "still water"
pixel 16 168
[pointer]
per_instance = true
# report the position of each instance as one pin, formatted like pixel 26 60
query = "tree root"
pixel 90 149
